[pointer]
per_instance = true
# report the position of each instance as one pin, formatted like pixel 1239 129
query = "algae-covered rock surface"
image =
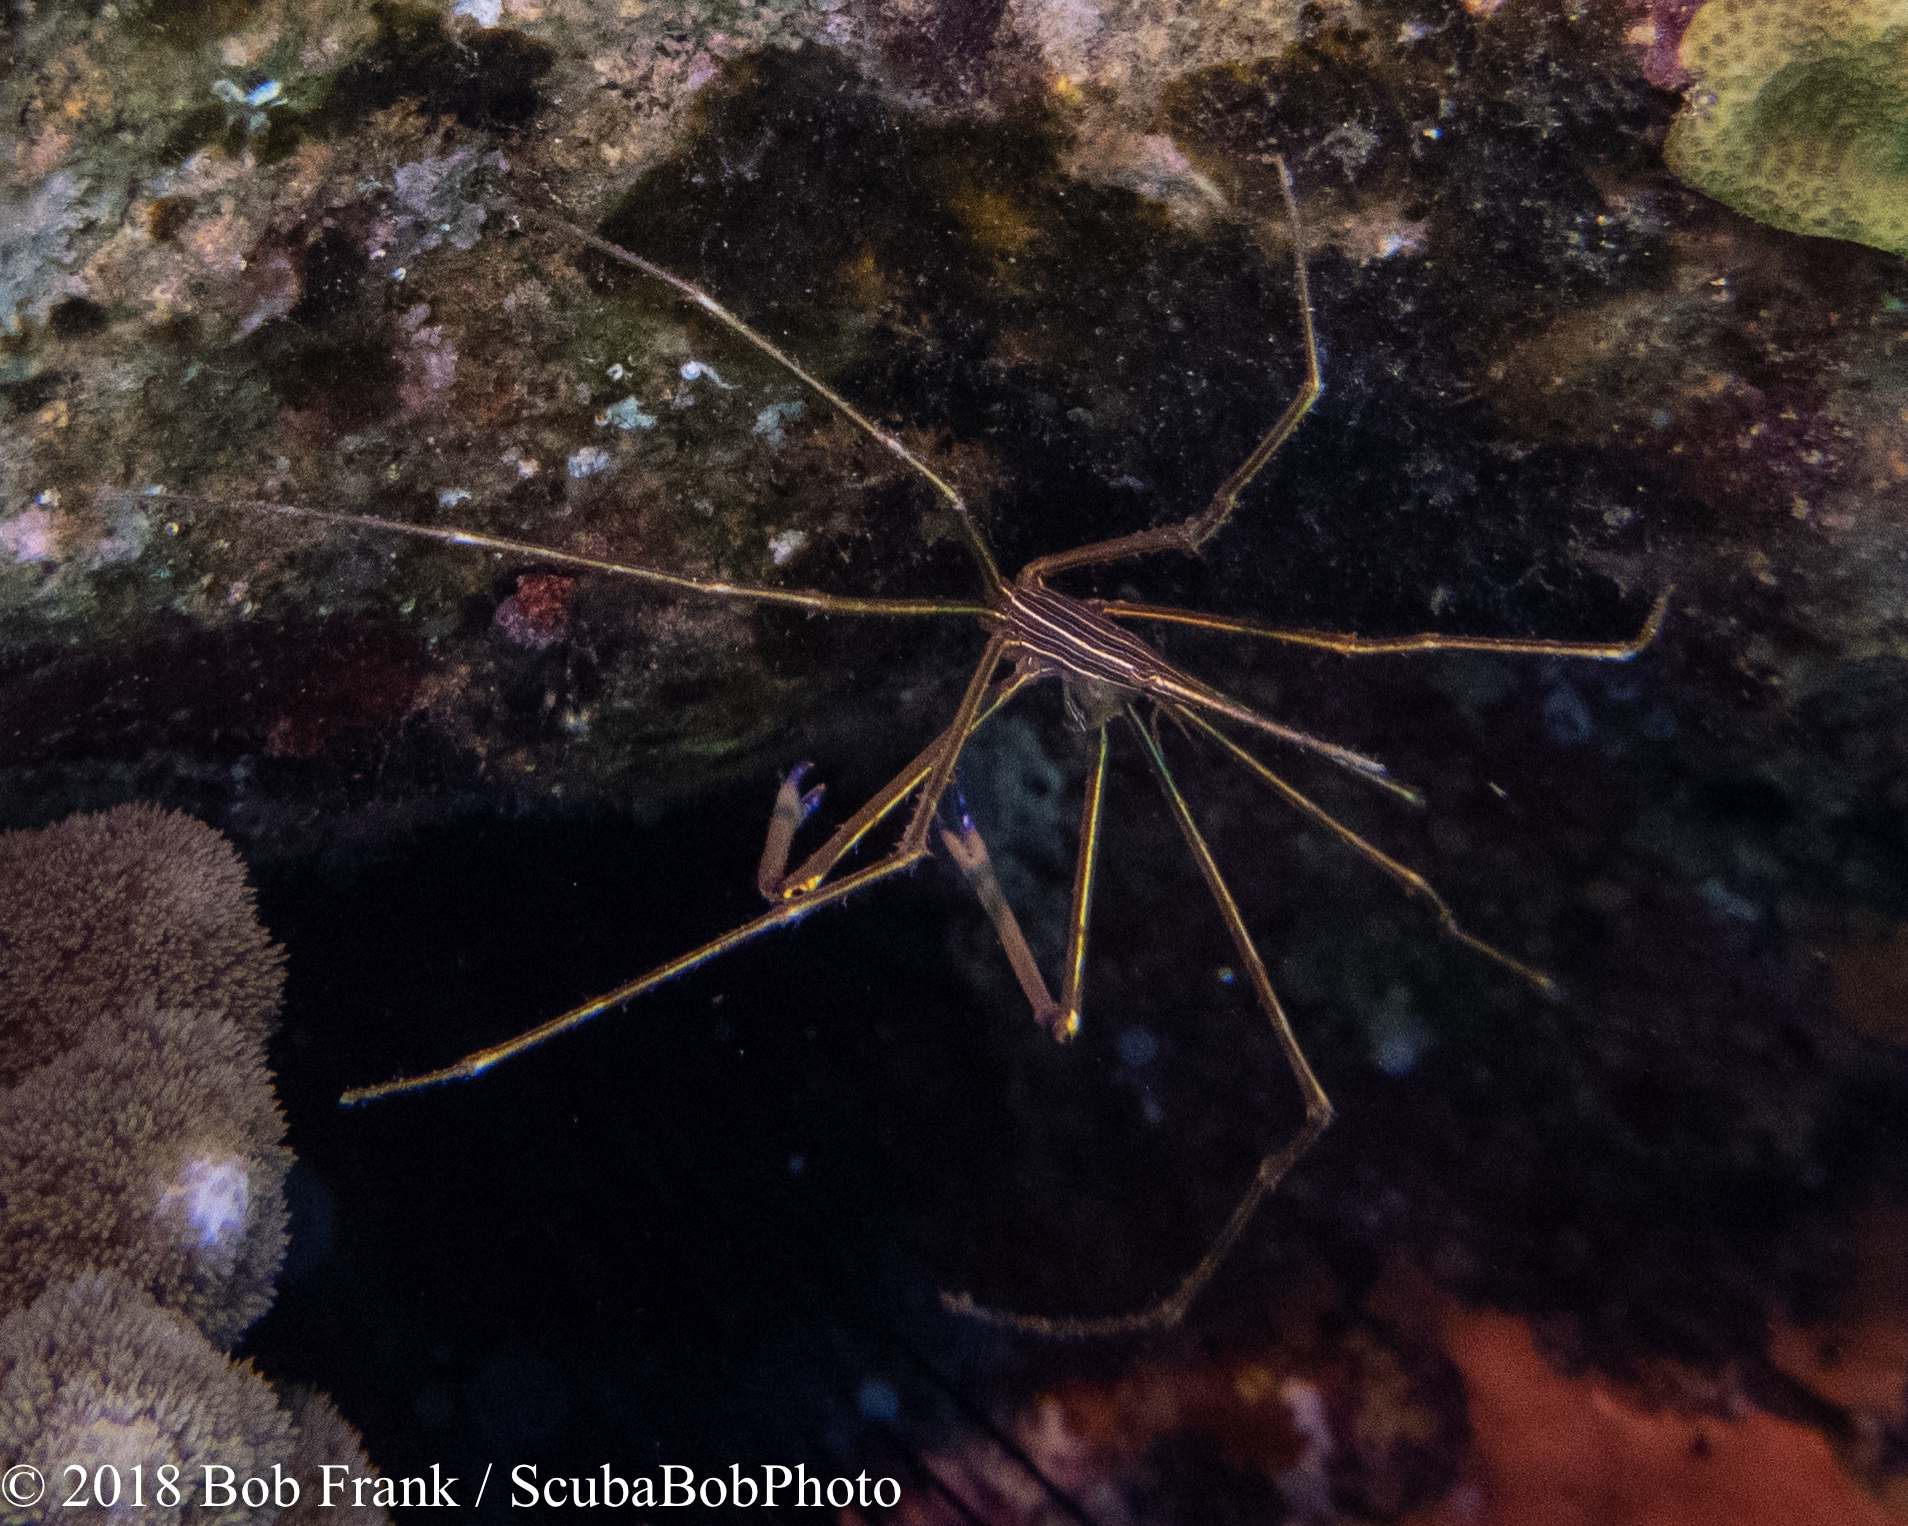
pixel 258 260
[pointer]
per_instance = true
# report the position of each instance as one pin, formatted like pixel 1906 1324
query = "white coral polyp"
pixel 210 1199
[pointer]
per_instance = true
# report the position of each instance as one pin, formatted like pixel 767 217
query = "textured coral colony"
pixel 142 1204
pixel 271 250
pixel 1796 114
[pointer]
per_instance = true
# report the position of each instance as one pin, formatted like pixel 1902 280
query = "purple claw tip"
pixel 812 800
pixel 798 773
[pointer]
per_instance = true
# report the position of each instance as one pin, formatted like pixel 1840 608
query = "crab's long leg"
pixel 781 915
pixel 1413 883
pixel 1084 866
pixel 1272 1170
pixel 1193 532
pixel 1060 1018
pixel 941 773
pixel 969 852
pixel 939 758
pixel 1388 646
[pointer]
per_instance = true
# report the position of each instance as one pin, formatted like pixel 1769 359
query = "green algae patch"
pixel 1799 115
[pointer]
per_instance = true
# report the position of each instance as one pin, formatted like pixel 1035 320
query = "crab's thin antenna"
pixel 826 603
pixel 983 553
